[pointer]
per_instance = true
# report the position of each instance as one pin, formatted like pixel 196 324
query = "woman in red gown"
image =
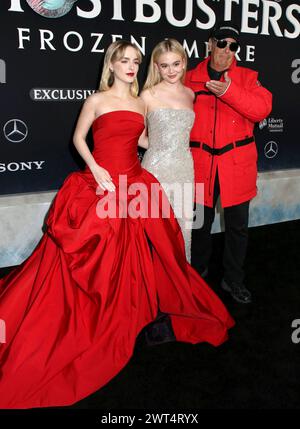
pixel 74 308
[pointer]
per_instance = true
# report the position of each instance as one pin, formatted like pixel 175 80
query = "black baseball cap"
pixel 226 29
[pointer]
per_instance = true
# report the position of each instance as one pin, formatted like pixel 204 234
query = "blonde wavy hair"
pixel 167 45
pixel 115 52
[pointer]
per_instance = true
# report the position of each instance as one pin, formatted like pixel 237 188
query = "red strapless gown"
pixel 74 308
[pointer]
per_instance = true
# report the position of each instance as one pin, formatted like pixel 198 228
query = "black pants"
pixel 236 238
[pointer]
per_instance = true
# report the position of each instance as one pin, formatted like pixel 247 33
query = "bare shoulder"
pixel 99 103
pixel 95 98
pixel 141 104
pixel 146 95
pixel 189 92
pixel 92 102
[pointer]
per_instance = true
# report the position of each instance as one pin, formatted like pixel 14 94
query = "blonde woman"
pixel 74 308
pixel 170 118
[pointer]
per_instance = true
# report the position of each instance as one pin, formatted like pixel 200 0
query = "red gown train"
pixel 74 308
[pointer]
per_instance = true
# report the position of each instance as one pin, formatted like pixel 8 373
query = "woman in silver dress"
pixel 170 118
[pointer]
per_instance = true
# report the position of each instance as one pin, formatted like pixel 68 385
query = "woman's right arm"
pixel 85 120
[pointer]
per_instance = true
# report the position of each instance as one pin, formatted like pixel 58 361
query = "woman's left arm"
pixel 143 140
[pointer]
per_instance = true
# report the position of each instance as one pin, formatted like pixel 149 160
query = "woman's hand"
pixel 103 178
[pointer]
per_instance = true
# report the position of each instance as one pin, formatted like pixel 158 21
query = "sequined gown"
pixel 169 159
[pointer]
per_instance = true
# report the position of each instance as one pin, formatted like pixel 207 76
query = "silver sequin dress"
pixel 169 159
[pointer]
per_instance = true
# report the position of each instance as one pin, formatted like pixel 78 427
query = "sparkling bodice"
pixel 169 135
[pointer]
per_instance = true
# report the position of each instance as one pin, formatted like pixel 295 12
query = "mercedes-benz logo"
pixel 15 130
pixel 271 149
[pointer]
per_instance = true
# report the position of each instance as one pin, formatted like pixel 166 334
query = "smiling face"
pixel 170 66
pixel 221 58
pixel 126 67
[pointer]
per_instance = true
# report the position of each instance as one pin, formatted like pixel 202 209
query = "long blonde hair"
pixel 115 52
pixel 167 45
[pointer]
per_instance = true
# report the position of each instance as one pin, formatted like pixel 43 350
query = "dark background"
pixel 51 123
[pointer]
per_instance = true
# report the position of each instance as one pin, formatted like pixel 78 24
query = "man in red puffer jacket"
pixel 229 99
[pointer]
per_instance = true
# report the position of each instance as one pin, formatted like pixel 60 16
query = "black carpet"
pixel 257 368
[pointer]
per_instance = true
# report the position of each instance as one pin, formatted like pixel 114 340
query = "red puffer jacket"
pixel 225 120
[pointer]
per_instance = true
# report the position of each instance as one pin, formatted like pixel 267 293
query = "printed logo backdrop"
pixel 49 65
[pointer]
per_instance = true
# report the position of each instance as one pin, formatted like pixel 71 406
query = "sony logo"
pixel 21 166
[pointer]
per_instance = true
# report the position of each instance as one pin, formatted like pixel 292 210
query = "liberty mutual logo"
pixel 273 124
pixel 2 71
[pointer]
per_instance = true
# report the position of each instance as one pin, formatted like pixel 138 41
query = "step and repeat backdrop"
pixel 52 52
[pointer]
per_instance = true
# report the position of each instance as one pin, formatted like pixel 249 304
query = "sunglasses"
pixel 233 46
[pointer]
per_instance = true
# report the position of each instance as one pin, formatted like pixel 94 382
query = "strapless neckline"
pixel 171 109
pixel 119 111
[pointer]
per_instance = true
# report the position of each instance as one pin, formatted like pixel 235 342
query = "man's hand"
pixel 219 88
